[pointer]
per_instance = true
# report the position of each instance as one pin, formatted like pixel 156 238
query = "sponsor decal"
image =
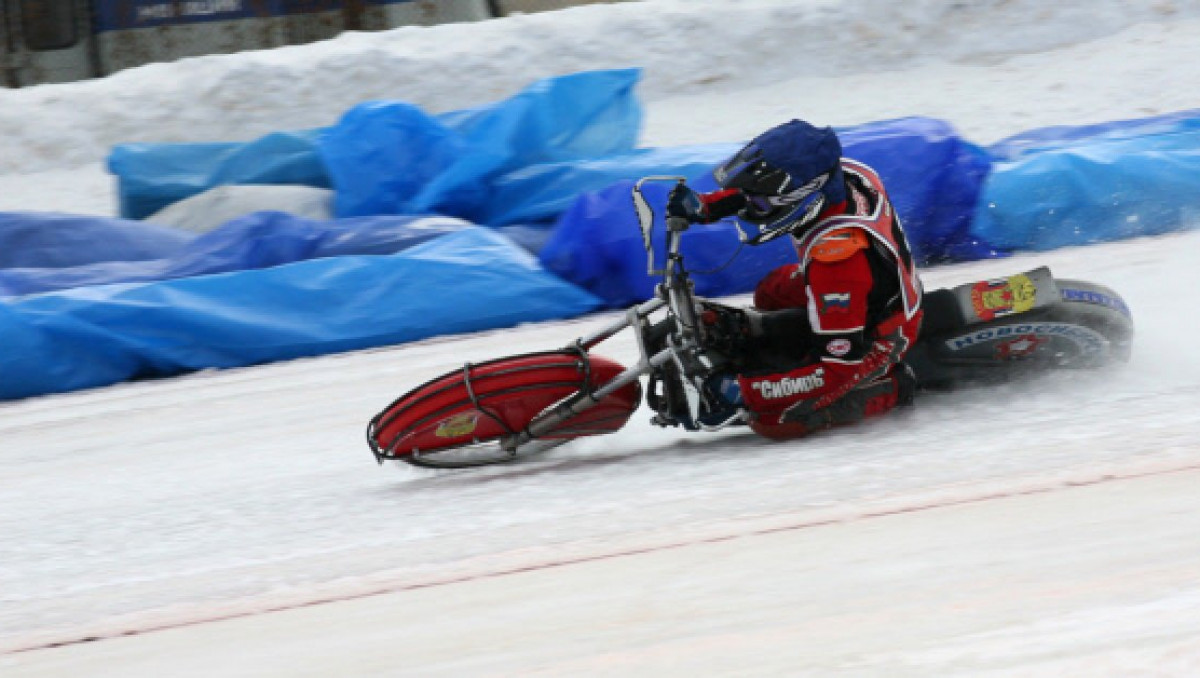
pixel 1083 337
pixel 835 303
pixel 790 386
pixel 458 425
pixel 839 347
pixel 1019 347
pixel 1097 299
pixel 1004 296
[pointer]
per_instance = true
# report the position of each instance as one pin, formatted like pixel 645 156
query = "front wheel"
pixel 472 416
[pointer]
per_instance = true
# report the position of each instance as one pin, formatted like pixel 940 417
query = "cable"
pixel 723 266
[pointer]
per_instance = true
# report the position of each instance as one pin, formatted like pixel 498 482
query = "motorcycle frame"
pixel 676 294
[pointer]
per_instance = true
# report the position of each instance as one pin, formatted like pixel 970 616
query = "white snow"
pixel 206 211
pixel 1045 528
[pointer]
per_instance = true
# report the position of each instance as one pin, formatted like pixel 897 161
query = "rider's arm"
pixel 704 208
pixel 720 204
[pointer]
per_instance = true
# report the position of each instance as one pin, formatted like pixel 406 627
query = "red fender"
pixel 489 400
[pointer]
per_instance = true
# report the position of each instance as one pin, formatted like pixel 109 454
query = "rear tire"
pixel 1089 326
pixel 1106 313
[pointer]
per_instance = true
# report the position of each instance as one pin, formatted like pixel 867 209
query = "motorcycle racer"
pixel 855 278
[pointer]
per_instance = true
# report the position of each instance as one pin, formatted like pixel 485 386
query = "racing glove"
pixel 684 203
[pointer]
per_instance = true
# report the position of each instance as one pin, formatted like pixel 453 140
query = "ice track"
pixel 163 505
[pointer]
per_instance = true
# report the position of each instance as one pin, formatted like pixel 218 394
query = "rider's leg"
pixel 872 399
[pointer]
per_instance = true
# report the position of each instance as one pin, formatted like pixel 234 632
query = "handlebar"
pixel 675 225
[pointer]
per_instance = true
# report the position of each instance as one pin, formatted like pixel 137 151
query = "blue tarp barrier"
pixel 391 158
pixel 516 165
pixel 598 246
pixel 932 175
pixel 50 240
pixel 258 240
pixel 539 193
pixel 467 281
pixel 1061 136
pixel 1094 188
pixel 153 176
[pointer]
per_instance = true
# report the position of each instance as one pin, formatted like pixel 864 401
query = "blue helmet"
pixel 789 174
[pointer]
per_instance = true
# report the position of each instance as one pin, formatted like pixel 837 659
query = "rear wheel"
pixel 1088 326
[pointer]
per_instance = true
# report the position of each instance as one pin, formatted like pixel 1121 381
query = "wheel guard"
pixel 491 400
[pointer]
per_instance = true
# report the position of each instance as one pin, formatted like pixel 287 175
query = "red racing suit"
pixel 857 279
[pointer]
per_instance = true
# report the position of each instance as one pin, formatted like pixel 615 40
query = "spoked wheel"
pixel 478 454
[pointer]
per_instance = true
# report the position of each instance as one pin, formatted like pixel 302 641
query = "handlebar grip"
pixel 678 224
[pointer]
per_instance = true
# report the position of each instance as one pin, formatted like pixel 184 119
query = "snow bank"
pixel 683 45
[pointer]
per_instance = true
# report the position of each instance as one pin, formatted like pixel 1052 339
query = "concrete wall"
pixel 134 32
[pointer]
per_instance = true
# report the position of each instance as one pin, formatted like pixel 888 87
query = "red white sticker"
pixel 1026 344
pixel 838 347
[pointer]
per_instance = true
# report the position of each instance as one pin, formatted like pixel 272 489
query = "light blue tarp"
pixel 257 240
pixel 467 281
pixel 1089 185
pixel 932 175
pixel 153 176
pixel 539 193
pixel 51 240
pixel 393 158
pixel 1060 136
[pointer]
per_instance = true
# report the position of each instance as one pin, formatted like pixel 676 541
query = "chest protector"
pixel 882 226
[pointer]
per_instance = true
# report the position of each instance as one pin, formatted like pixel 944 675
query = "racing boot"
pixel 724 396
pixel 906 384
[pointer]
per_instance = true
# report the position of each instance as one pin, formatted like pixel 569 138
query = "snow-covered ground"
pixel 234 524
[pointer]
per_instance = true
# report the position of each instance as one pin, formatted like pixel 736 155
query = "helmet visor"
pixel 761 209
pixel 775 215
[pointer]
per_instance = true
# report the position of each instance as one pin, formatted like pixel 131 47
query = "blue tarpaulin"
pixel 462 282
pixel 1060 136
pixel 257 240
pixel 539 193
pixel 51 240
pixel 153 176
pixel 598 246
pixel 932 175
pixel 392 158
pixel 1094 188
pixel 159 301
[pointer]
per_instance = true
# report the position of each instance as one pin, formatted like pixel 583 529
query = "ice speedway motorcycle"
pixel 515 406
